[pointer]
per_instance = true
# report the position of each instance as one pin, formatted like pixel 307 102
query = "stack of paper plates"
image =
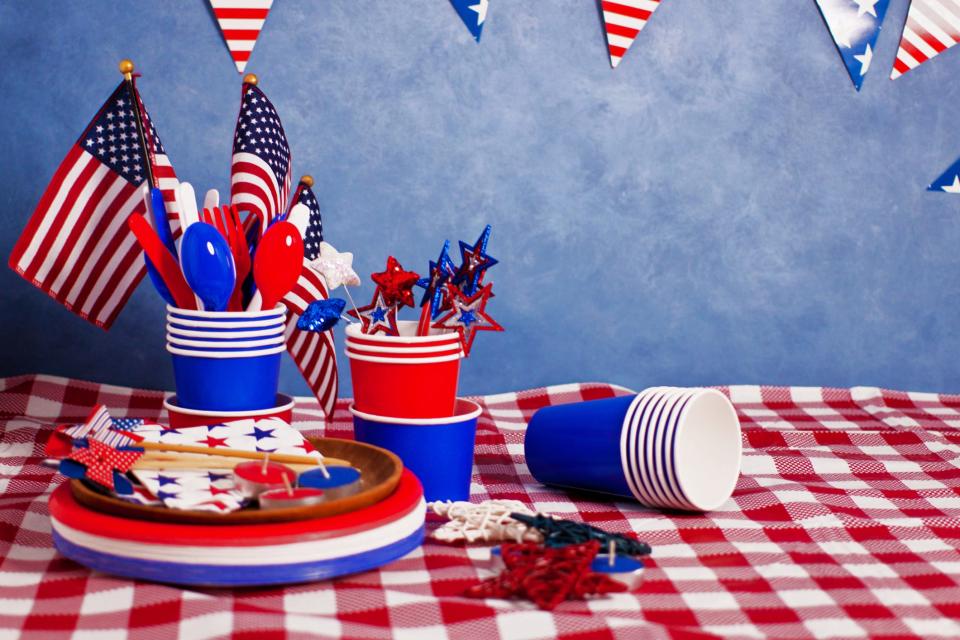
pixel 241 555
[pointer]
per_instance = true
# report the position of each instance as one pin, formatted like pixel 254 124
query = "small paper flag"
pixel 932 27
pixel 473 13
pixel 949 182
pixel 240 23
pixel 854 25
pixel 623 20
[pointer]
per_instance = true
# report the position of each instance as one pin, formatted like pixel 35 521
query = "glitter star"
pixel 396 284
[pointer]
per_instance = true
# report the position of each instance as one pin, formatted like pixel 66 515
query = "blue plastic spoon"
pixel 208 265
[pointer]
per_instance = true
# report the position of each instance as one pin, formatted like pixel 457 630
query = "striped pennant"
pixel 624 20
pixel 240 22
pixel 932 27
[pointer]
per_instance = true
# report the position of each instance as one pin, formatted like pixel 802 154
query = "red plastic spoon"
pixel 277 263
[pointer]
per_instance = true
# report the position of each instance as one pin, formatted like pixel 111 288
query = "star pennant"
pixel 473 13
pixel 378 316
pixel 468 315
pixel 240 22
pixel 623 20
pixel 932 27
pixel 949 182
pixel 855 26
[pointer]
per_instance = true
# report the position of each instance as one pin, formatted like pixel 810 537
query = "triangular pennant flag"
pixel 240 22
pixel 623 20
pixel 932 27
pixel 473 13
pixel 949 182
pixel 854 25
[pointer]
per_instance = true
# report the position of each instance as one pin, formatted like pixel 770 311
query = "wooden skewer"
pixel 286 458
pixel 221 463
pixel 224 461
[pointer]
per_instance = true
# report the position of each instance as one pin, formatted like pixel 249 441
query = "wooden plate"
pixel 379 475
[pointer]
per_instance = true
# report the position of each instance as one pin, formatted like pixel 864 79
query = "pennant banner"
pixel 949 182
pixel 473 13
pixel 933 26
pixel 854 25
pixel 240 23
pixel 623 20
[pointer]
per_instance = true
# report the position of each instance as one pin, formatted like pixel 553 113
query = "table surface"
pixel 844 524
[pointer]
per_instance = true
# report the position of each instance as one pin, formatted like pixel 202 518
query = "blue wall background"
pixel 722 208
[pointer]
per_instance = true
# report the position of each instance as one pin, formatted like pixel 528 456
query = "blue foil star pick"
pixel 440 273
pixel 474 265
pixel 321 315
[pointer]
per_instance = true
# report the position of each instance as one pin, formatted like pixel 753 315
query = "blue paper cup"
pixel 439 451
pixel 578 445
pixel 226 361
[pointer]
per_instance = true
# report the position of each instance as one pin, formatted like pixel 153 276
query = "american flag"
pixel 77 246
pixel 260 175
pixel 855 26
pixel 314 353
pixel 623 20
pixel 100 426
pixel 932 27
pixel 240 23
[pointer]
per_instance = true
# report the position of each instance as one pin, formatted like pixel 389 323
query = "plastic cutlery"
pixel 277 264
pixel 212 199
pixel 163 261
pixel 155 276
pixel 241 254
pixel 188 206
pixel 208 265
pixel 160 221
pixel 299 217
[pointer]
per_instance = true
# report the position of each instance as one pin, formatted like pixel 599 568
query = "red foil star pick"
pixel 396 284
pixel 547 576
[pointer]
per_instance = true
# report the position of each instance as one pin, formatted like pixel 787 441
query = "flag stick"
pixel 126 68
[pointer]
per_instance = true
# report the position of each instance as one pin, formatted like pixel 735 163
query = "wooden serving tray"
pixel 380 473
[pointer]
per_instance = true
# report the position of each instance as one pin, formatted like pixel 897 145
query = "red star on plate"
pixel 396 284
pixel 469 315
pixel 210 441
pixel 378 316
pixel 102 460
pixel 214 491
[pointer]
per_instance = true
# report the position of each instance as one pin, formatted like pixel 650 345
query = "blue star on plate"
pixel 475 263
pixel 164 495
pixel 321 315
pixel 165 480
pixel 440 272
pixel 262 450
pixel 260 434
pixel 949 181
pixel 214 477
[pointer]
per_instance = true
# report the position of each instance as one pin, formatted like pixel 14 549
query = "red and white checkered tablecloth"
pixel 845 524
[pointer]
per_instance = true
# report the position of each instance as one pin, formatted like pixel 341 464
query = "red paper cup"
pixel 408 338
pixel 420 387
pixel 183 417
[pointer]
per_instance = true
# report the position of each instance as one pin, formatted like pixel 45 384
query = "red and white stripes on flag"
pixel 932 27
pixel 623 20
pixel 240 23
pixel 315 353
pixel 76 246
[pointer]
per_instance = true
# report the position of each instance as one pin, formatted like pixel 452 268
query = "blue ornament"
pixel 440 273
pixel 321 315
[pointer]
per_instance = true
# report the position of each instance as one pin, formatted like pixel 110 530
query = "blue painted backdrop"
pixel 723 208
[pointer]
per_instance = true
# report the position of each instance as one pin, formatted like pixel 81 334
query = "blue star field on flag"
pixel 314 234
pixel 855 26
pixel 949 181
pixel 473 13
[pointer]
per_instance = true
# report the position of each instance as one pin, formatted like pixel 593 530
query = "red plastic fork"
pixel 241 253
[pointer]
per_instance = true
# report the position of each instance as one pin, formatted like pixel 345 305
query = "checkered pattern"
pixel 845 524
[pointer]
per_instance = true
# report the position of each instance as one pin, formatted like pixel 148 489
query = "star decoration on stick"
pixel 378 316
pixel 101 461
pixel 396 284
pixel 468 315
pixel 441 272
pixel 475 263
pixel 335 267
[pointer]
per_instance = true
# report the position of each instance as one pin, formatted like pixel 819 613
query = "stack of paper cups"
pixel 666 447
